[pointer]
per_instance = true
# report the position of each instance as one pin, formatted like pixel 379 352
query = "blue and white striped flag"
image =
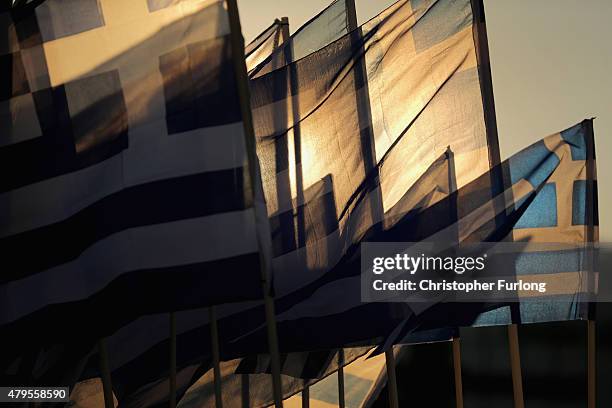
pixel 126 186
pixel 547 194
pixel 266 43
pixel 323 29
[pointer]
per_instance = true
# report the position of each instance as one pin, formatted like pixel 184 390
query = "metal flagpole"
pixel 237 43
pixel 214 342
pixel 172 379
pixel 107 385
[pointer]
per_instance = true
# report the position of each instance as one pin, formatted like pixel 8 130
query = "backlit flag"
pixel 253 388
pixel 545 189
pixel 564 211
pixel 264 45
pixel 345 132
pixel 363 382
pixel 126 186
pixel 326 27
pixel 549 196
pixel 544 193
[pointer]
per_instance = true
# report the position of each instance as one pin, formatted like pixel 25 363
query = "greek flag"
pixel 126 186
pixel 264 45
pixel 565 211
pixel 321 30
pixel 546 194
pixel 345 136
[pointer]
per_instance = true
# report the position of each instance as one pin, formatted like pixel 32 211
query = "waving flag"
pixel 549 197
pixel 346 136
pixel 346 131
pixel 326 27
pixel 126 185
pixel 536 184
pixel 264 45
pixel 564 211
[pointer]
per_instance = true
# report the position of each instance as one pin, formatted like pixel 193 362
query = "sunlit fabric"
pixel 138 351
pixel 352 142
pixel 498 205
pixel 363 382
pixel 264 45
pixel 344 132
pixel 542 201
pixel 326 27
pixel 254 387
pixel 488 209
pixel 564 211
pixel 125 171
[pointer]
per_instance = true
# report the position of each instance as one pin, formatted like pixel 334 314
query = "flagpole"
pixel 391 378
pixel 285 35
pixel 591 239
pixel 456 341
pixel 245 390
pixel 369 156
pixel 306 397
pixel 214 342
pixel 515 364
pixel 486 88
pixel 456 344
pixel 486 81
pixel 172 379
pixel 591 364
pixel 341 403
pixel 237 43
pixel 105 373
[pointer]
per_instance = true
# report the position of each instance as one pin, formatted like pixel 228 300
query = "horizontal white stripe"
pixel 152 155
pixel 183 242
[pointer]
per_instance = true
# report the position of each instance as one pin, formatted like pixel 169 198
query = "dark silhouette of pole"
pixel 237 43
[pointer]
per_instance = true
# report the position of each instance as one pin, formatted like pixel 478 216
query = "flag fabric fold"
pixel 345 132
pixel 127 170
pixel 341 158
pixel 264 45
pixel 321 30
